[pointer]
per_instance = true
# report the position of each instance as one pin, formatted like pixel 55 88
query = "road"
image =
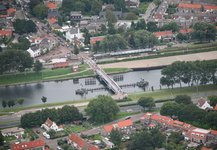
pixel 10 124
pixel 148 11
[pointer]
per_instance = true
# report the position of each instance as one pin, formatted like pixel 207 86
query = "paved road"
pixel 148 11
pixel 10 124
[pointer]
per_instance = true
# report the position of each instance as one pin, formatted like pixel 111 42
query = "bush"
pixel 164 100
pixel 125 99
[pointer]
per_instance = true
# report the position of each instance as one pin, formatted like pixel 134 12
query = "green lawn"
pixel 9 121
pixel 50 72
pixel 153 110
pixel 175 91
pixel 113 70
pixel 9 138
pixel 59 5
pixel 77 128
pixel 144 5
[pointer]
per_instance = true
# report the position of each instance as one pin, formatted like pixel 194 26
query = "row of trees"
pixel 60 115
pixel 11 103
pixel 194 72
pixel 23 44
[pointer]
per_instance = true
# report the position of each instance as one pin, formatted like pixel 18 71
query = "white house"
pixel 34 51
pixel 16 132
pixel 73 33
pixel 203 104
pixel 51 125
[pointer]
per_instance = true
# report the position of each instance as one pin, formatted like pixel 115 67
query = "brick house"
pixel 210 9
pixel 51 125
pixel 165 35
pixel 189 8
pixel 132 3
pixel 186 31
pixel 5 33
pixel 31 145
pixel 93 41
pixel 124 127
pixel 76 16
pixel 52 7
pixel 203 104
pixel 61 65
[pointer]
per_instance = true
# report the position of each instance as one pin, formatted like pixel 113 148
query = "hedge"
pixel 164 100
pixel 32 133
pixel 130 104
pixel 123 100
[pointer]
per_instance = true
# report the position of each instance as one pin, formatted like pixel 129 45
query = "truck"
pixel 46 135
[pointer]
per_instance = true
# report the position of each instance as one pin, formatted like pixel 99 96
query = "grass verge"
pixel 9 138
pixel 8 127
pixel 9 121
pixel 153 110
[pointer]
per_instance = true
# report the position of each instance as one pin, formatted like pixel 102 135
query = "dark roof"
pixel 4 21
pixel 45 41
pixel 124 14
pixel 195 14
pixel 53 14
pixel 115 12
pixel 73 30
pixel 2 7
pixel 34 48
pixel 201 102
pixel 12 14
pixel 91 27
pixel 56 26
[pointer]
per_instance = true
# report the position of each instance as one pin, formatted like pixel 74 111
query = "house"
pixel 53 1
pixel 5 33
pixel 124 127
pixel 46 43
pixel 147 118
pixel 210 9
pixel 56 27
pixel 165 35
pixel 132 3
pixel 34 51
pixel 52 21
pixel 118 14
pixel 98 22
pixel 54 15
pixel 76 16
pixel 52 7
pixel 3 10
pixel 91 18
pixel 189 8
pixel 16 132
pixel 212 138
pixel 204 148
pixel 160 120
pixel 73 33
pixel 83 24
pixel 94 39
pixel 92 28
pixel 51 125
pixel 197 135
pixel 203 104
pixel 78 122
pixel 61 65
pixel 106 6
pixel 215 109
pixel 78 42
pixel 11 10
pixel 31 145
pixel 161 11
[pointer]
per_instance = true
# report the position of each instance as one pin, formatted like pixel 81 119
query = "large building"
pixel 189 8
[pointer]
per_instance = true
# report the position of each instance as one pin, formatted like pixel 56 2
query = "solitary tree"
pixel 44 99
pixel 38 66
pixel 4 103
pixel 146 102
pixel 20 101
pixel 115 137
pixel 76 50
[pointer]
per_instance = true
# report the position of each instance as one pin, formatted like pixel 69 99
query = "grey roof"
pixel 124 14
pixel 84 22
pixel 53 14
pixel 75 12
pixel 91 27
pixel 2 7
pixel 115 12
pixel 34 48
pixel 73 30
pixel 45 41
pixel 135 1
pixel 3 21
pixel 56 26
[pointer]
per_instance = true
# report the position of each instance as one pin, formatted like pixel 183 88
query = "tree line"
pixel 191 72
pixel 11 103
pixel 60 115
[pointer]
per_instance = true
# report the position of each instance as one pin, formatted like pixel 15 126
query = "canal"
pixel 65 90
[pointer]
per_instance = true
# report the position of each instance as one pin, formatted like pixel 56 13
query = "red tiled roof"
pixel 108 128
pixel 61 64
pixel 30 144
pixel 189 5
pixel 52 20
pixel 201 102
pixel 204 148
pixel 216 104
pixel 11 10
pixel 147 115
pixel 210 7
pixel 186 30
pixel 151 125
pixel 48 122
pixel 96 39
pixel 4 32
pixel 51 5
pixel 60 127
pixel 91 147
pixel 178 122
pixel 161 118
pixel 47 149
pixel 214 132
pixel 121 124
pixel 78 121
pixel 163 33
pixel 79 141
pixel 3 16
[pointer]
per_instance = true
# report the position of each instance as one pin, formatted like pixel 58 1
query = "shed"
pixel 75 68
pixel 78 122
pixel 61 65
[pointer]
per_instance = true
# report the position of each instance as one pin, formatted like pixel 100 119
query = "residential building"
pixel 5 33
pixel 73 33
pixel 53 1
pixel 161 11
pixel 31 145
pixel 132 3
pixel 52 7
pixel 203 104
pixel 3 10
pixel 76 16
pixel 11 10
pixel 92 28
pixel 204 148
pixel 91 18
pixel 106 6
pixel 52 21
pixel 215 109
pixel 57 27
pixel 51 125
pixel 147 118
pixel 54 15
pixel 186 31
pixel 83 24
pixel 16 132
pixel 94 39
pixel 124 127
pixel 189 8
pixel 205 2
pixel 165 35
pixel 210 9
pixel 160 120
pixel 212 138
pixel 34 51
pixel 197 135
pixel 118 14
pixel 61 65
pixel 98 22
pixel 46 43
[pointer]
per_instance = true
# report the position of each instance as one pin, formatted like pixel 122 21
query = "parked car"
pixel 187 41
pixel 127 118
pixel 38 131
pixel 58 148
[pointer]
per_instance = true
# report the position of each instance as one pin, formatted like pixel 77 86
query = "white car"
pixel 87 52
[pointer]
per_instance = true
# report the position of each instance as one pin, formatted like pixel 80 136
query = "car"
pixel 61 40
pixel 58 148
pixel 87 52
pixel 58 38
pixel 38 131
pixel 62 44
pixel 127 118
pixel 54 35
pixel 187 41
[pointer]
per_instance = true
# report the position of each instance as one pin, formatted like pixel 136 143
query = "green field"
pixel 144 5
pixel 9 138
pixel 77 128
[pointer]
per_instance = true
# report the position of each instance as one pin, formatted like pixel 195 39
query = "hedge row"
pixel 161 55
pixel 123 100
pixel 32 133
pixel 164 100
pixel 130 104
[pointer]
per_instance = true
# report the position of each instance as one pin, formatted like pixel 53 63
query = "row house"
pixel 6 33
pixel 48 125
pixel 132 3
pixel 204 2
pixel 203 104
pixel 80 144
pixel 189 8
pixel 212 138
pixel 176 2
pixel 165 35
pixel 124 127
pixel 161 11
pixel 52 21
pixel 54 15
pixel 83 24
pixel 76 16
pixel 210 9
pixel 16 132
pixel 186 31
pixel 52 7
pixel 31 145
pixel 118 14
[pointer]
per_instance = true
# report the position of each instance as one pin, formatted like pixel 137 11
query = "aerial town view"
pixel 108 74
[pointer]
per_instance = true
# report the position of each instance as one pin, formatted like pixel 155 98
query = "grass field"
pixel 77 128
pixel 9 138
pixel 113 70
pixel 50 72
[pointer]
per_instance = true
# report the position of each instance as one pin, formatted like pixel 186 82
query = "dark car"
pixel 127 118
pixel 54 35
pixel 38 131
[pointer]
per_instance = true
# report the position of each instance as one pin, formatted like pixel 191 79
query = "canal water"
pixel 65 90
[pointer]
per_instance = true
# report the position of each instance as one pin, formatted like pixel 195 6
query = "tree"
pixel 213 100
pixel 115 136
pixel 60 23
pixel 131 40
pixel 80 6
pixel 66 114
pixel 199 32
pixel 157 2
pixel 51 132
pixel 96 47
pixel 103 28
pixel 175 137
pixel 0 49
pixel 40 11
pixel 37 66
pixel 1 139
pixel 184 99
pixel 120 30
pixel 44 99
pixel 33 3
pixel 169 109
pixel 111 29
pixel 181 36
pixel 210 32
pixel 144 38
pixel 20 101
pixel 132 26
pixel 102 108
pixel 110 17
pixel 87 37
pixel 120 4
pixel 159 138
pixel 96 7
pixel 4 103
pixel 76 50
pixel 23 26
pixel 151 26
pixel 211 119
pixel 11 103
pixel 173 26
pixel 131 16
pixel 146 102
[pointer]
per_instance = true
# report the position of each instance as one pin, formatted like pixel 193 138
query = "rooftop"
pixel 61 64
pixel 11 10
pixel 201 130
pixel 30 144
pixel 189 5
pixel 51 5
pixel 210 7
pixel 52 20
pixel 121 124
pixel 163 33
